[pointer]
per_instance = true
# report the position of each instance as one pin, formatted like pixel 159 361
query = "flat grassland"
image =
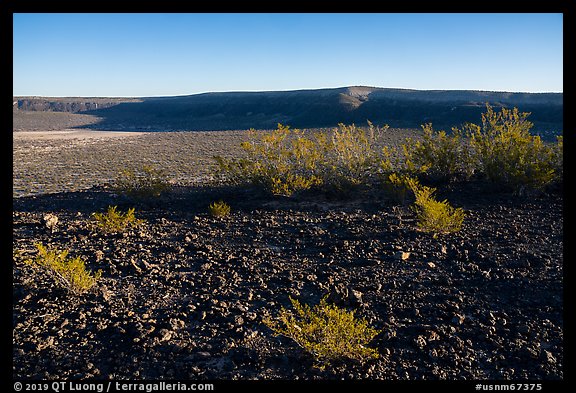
pixel 71 160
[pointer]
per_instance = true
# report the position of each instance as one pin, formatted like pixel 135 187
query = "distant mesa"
pixel 402 108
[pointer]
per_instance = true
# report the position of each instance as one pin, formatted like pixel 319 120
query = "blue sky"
pixel 135 55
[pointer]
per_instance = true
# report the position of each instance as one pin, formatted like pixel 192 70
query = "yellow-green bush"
pixel 71 273
pixel 145 182
pixel 438 154
pixel 219 209
pixel 501 149
pixel 352 155
pixel 506 152
pixel 434 216
pixel 115 221
pixel 286 161
pixel 398 186
pixel 282 162
pixel 327 332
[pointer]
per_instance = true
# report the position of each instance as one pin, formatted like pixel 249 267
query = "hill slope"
pixel 301 108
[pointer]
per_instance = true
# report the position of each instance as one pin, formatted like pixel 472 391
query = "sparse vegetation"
pixel 188 269
pixel 286 161
pixel 219 209
pixel 439 154
pixel 71 273
pixel 326 331
pixel 114 221
pixel 434 216
pixel 398 186
pixel 143 183
pixel 506 152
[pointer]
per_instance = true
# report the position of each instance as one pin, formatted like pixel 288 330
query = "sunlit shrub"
pixel 434 216
pixel 506 152
pixel 219 209
pixel 326 331
pixel 438 154
pixel 115 221
pixel 286 161
pixel 352 155
pixel 71 273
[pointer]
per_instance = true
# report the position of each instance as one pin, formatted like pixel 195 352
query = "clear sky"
pixel 135 55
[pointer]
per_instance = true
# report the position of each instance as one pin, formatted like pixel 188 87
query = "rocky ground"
pixel 184 295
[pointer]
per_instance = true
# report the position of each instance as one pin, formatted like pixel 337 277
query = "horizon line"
pixel 286 90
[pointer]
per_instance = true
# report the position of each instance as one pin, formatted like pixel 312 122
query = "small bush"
pixel 71 273
pixel 327 332
pixel 435 216
pixel 439 154
pixel 114 221
pixel 219 209
pixel 144 183
pixel 508 154
pixel 352 155
pixel 398 186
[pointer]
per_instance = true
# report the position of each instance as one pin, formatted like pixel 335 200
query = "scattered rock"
pixel 176 323
pixel 550 359
pixel 238 320
pixel 205 266
pixel 50 221
pixel 401 255
pixel 458 319
pixel 420 342
pixel 345 296
pixel 164 335
pixel 187 312
pixel 524 329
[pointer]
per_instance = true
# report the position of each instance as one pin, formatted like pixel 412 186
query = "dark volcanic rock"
pixel 185 295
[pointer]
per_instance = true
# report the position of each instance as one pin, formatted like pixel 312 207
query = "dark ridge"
pixel 302 108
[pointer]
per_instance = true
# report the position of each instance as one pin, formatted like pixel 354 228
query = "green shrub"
pixel 398 186
pixel 434 216
pixel 219 209
pixel 71 273
pixel 115 221
pixel 352 155
pixel 282 162
pixel 286 161
pixel 439 154
pixel 327 332
pixel 143 183
pixel 508 154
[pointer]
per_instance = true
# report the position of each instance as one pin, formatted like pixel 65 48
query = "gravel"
pixel 184 295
